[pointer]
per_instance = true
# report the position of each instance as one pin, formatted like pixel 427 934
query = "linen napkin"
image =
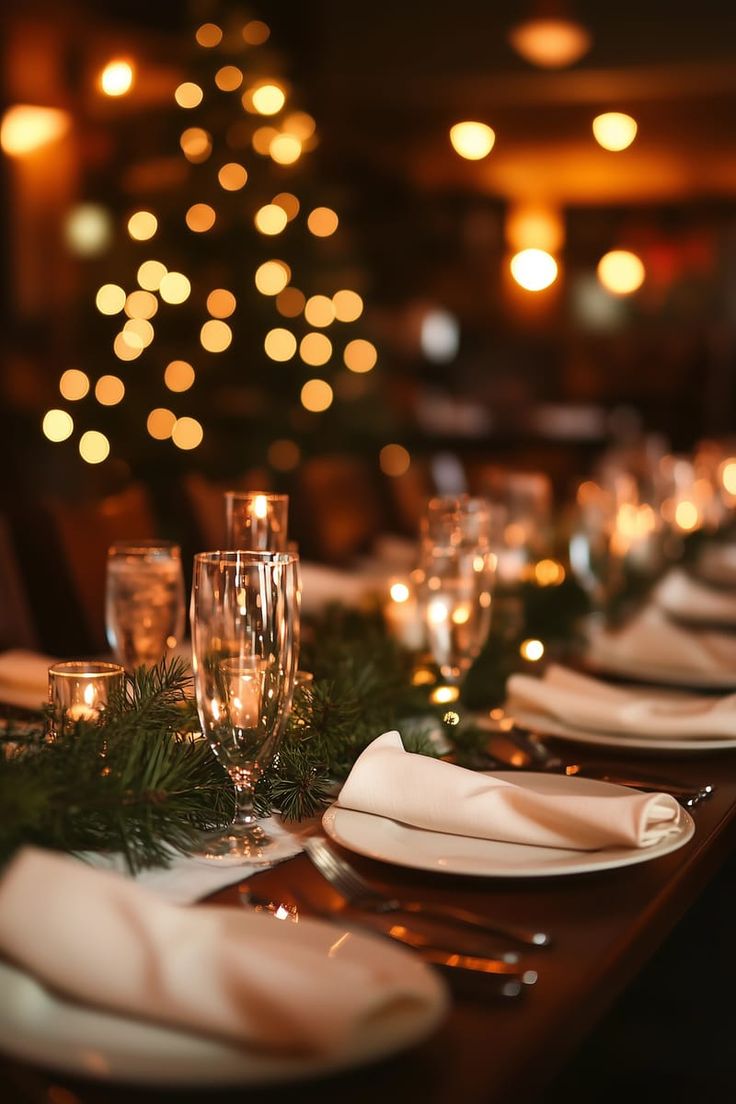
pixel 651 640
pixel 588 703
pixel 321 585
pixel 246 977
pixel 24 678
pixel 688 600
pixel 427 793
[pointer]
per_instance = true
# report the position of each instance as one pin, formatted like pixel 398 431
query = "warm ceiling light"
pixel 551 43
pixel 117 78
pixel 621 272
pixel 614 130
pixel 24 128
pixel 534 269
pixel 472 140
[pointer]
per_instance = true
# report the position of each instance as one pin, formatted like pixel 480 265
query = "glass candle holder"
pixel 256 521
pixel 81 690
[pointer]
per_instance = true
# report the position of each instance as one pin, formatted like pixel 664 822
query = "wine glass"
pixel 256 520
pixel 144 601
pixel 245 644
pixel 456 592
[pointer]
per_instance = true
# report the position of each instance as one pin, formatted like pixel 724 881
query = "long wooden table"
pixel 605 925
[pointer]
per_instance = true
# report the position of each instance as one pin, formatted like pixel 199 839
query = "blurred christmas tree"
pixel 227 332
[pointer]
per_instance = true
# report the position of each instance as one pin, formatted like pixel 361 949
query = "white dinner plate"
pixel 548 726
pixel 40 1027
pixel 393 842
pixel 659 674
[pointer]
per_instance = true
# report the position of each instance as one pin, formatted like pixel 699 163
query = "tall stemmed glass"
pixel 245 644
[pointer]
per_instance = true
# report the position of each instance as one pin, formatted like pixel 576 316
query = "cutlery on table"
pixel 512 979
pixel 362 895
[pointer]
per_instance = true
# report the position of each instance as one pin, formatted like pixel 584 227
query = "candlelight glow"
pixel 472 140
pixel 443 695
pixel 621 272
pixel 25 128
pixel 117 78
pixel 614 130
pixel 533 650
pixel 534 269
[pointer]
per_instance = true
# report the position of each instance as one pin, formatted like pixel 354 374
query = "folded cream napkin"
pixel 427 793
pixel 24 678
pixel 100 939
pixel 322 585
pixel 688 600
pixel 588 703
pixel 651 641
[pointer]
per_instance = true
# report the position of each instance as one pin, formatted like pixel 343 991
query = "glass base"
pixel 240 843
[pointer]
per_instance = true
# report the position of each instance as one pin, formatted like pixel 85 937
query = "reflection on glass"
pixel 144 601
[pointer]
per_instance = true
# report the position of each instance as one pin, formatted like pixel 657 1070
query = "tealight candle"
pixel 81 691
pixel 257 521
pixel 403 616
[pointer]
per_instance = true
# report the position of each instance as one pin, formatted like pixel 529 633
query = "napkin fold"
pixel 24 678
pixel 322 585
pixel 427 793
pixel 588 703
pixel 650 640
pixel 100 939
pixel 688 600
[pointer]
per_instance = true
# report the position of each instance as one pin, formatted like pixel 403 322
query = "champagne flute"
pixel 144 601
pixel 245 644
pixel 457 601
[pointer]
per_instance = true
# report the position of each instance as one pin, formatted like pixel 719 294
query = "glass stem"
pixel 244 812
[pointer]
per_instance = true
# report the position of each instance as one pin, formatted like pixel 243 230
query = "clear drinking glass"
pixel 144 605
pixel 256 521
pixel 457 599
pixel 245 648
pixel 81 690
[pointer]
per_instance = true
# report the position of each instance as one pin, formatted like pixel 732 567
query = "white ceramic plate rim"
pixel 684 677
pixel 402 845
pixel 39 1027
pixel 548 726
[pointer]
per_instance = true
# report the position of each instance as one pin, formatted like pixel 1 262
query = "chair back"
pixel 17 629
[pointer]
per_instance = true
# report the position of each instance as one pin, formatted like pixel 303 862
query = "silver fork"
pixel 359 893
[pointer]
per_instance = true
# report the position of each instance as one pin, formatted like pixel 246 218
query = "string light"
pixel 117 77
pixel 109 390
pixel 57 425
pixel 285 149
pixel 315 349
pixel 94 447
pixel 142 225
pixel 256 32
pixel 188 95
pixel 232 176
pixel 272 277
pixel 150 274
pixel 319 310
pixel 160 423
pixel 360 355
pixel 73 385
pixel 179 375
pixel 290 302
pixel 394 460
pixel 472 141
pixel 141 304
pixel 266 98
pixel 614 130
pixel 532 649
pixel 215 336
pixel 200 217
pixel 187 433
pixel 138 333
pixel 88 229
pixel 25 128
pixel 316 395
pixel 209 35
pixel 621 272
pixel 124 350
pixel 262 139
pixel 534 269
pixel 270 219
pixel 174 288
pixel 229 78
pixel 196 144
pixel 348 305
pixel 283 455
pixel 221 303
pixel 288 202
pixel 322 222
pixel 280 344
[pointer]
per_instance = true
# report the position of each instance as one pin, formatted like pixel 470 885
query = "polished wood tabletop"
pixel 605 925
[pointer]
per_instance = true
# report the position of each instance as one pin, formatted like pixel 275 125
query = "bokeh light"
pixel 124 350
pixel 26 128
pixel 94 447
pixel 270 219
pixel 142 225
pixel 88 229
pixel 138 333
pixel 57 425
pixel 160 423
pixel 531 649
pixel 534 269
pixel 117 77
pixel 614 130
pixel 187 433
pixel 319 310
pixel 322 222
pixel 215 336
pixel 73 385
pixel 196 144
pixel 208 35
pixel 174 288
pixel 348 305
pixel 290 302
pixel 272 277
pixel 315 349
pixel 256 32
pixel 621 272
pixel 288 202
pixel 141 304
pixel 472 140
pixel 360 355
pixel 221 303
pixel 179 375
pixel 316 395
pixel 188 95
pixel 150 274
pixel 109 390
pixel 200 217
pixel 439 336
pixel 262 139
pixel 394 460
pixel 229 78
pixel 280 344
pixel 687 516
pixel 300 124
pixel 232 176
pixel 283 455
pixel 285 149
pixel 728 475
pixel 552 42
pixel 267 98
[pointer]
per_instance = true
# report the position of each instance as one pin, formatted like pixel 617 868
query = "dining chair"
pixel 17 628
pixel 84 531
